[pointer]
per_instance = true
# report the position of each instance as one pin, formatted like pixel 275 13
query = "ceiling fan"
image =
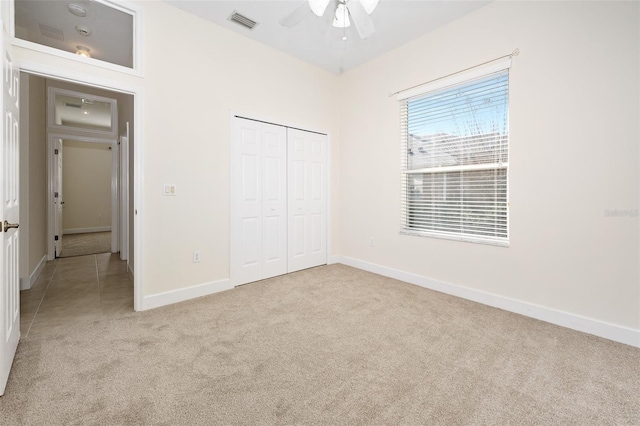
pixel 345 11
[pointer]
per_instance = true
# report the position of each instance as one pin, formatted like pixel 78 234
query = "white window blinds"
pixel 455 160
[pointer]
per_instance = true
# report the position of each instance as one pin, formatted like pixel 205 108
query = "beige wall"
pixel 574 108
pixel 187 108
pixel 86 186
pixel 192 81
pixel 33 150
pixel 23 257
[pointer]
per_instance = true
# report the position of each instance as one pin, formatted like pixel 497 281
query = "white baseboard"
pixel 609 331
pixel 175 296
pixel 28 282
pixel 333 259
pixel 86 230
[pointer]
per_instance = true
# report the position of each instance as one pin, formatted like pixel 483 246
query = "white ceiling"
pixel 314 40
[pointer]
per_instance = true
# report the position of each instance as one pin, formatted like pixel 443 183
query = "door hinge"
pixel 55 195
pixel 55 238
pixel 55 151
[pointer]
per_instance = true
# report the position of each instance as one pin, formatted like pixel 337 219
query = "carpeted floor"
pixel 329 345
pixel 87 243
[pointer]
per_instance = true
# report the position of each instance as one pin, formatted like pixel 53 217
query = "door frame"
pixel 285 123
pixel 36 68
pixel 114 187
pixel 124 194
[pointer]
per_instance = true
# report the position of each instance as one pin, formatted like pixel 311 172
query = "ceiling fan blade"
pixel 298 14
pixel 361 19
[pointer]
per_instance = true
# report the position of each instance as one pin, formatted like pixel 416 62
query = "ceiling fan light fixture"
pixel 318 6
pixel 341 18
pixel 369 5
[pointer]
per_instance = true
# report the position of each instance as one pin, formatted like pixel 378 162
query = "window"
pixel 101 32
pixel 455 159
pixel 69 110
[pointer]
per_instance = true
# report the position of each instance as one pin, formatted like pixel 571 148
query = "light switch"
pixel 169 189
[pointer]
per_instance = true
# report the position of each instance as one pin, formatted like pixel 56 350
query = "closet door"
pixel 274 200
pixel 258 201
pixel 246 202
pixel 307 194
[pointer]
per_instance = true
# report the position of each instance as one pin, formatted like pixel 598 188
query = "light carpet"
pixel 86 243
pixel 329 345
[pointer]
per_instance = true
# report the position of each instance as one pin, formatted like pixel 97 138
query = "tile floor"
pixel 74 290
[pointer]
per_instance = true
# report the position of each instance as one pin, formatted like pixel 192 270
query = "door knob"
pixel 8 226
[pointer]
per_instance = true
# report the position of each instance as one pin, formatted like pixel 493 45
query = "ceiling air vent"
pixel 68 105
pixel 51 32
pixel 242 20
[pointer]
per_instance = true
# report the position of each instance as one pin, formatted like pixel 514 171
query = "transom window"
pixel 455 161
pixel 104 33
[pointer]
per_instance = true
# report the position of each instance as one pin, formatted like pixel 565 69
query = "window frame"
pixel 51 106
pixel 121 5
pixel 450 82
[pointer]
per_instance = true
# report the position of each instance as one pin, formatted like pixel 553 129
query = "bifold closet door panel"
pixel 274 200
pixel 307 194
pixel 258 201
pixel 246 201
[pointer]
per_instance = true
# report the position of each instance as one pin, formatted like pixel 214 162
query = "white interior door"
pixel 246 203
pixel 124 194
pixel 9 252
pixel 258 201
pixel 307 193
pixel 58 199
pixel 274 200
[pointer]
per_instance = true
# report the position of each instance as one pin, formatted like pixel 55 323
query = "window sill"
pixel 467 239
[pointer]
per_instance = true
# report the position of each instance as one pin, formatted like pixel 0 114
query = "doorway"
pixel 74 186
pixel 84 201
pixel 83 122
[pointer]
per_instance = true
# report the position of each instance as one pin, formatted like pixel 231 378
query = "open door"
pixel 9 180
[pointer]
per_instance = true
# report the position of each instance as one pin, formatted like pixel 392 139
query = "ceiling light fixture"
pixel 77 10
pixel 344 13
pixel 341 18
pixel 83 51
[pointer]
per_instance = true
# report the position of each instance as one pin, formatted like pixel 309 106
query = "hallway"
pixel 86 243
pixel 76 290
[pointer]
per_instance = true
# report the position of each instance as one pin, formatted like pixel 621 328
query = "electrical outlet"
pixel 196 256
pixel 372 242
